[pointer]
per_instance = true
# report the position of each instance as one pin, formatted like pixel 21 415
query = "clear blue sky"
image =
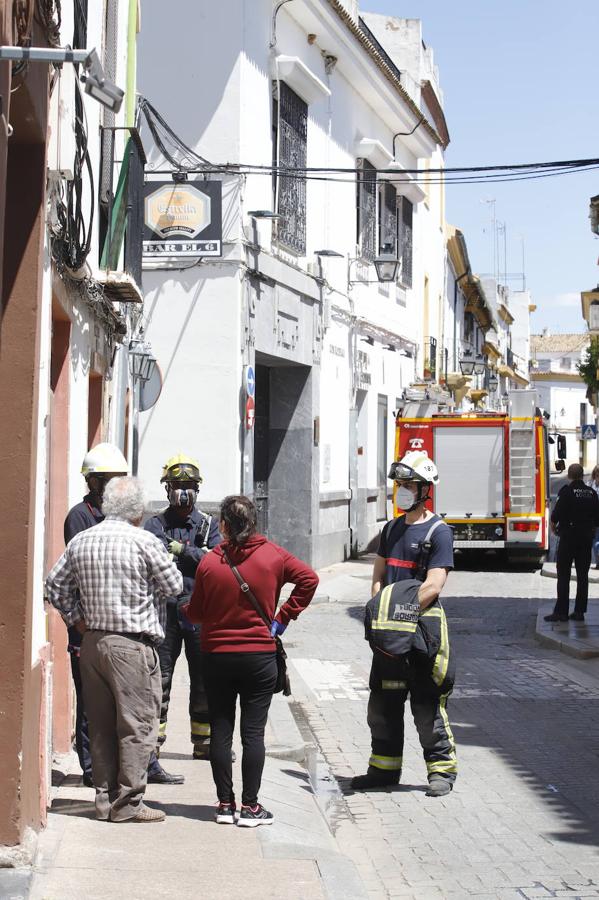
pixel 521 84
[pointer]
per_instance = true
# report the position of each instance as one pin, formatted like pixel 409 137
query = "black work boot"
pixel 375 778
pixel 438 786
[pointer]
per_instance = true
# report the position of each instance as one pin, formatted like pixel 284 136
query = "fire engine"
pixel 493 472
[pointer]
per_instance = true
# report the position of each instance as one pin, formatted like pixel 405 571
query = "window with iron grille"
pixel 366 204
pixel 405 213
pixel 290 113
pixel 387 218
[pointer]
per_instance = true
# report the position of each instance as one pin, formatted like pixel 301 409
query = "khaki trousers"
pixel 121 693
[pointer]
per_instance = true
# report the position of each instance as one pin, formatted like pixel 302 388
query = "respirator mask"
pixel 182 497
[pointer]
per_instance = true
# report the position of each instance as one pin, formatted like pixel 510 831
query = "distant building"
pixel 562 392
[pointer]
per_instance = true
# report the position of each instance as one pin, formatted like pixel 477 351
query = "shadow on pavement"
pixel 491 561
pixel 346 789
pixel 84 809
pixel 201 813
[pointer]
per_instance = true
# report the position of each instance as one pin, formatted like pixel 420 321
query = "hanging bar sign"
pixel 182 219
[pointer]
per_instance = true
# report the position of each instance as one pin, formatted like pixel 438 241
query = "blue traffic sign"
pixel 250 381
pixel 588 432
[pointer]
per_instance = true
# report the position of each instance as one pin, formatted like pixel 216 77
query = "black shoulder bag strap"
pixel 283 684
pixel 248 591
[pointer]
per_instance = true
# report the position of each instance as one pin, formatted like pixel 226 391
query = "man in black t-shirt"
pixel 416 545
pixel 574 518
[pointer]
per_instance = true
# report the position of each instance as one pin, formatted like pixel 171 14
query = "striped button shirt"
pixel 117 577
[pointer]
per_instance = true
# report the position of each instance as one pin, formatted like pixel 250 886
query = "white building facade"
pixel 332 349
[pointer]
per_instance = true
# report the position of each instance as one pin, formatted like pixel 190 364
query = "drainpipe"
pixel 273 31
pixel 131 62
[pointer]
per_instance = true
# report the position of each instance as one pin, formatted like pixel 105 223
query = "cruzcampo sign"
pixel 182 219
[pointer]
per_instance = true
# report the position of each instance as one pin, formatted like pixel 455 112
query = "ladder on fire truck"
pixel 522 451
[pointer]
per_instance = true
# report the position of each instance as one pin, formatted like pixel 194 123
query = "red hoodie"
pixel 229 622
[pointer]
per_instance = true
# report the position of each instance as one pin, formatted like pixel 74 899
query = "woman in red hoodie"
pixel 239 655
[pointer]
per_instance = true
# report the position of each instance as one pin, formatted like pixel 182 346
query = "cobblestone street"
pixel 523 819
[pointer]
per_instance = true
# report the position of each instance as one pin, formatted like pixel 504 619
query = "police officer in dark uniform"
pixel 100 464
pixel 187 534
pixel 417 545
pixel 574 519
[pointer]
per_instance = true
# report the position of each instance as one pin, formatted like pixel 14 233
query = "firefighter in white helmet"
pixel 187 533
pixel 415 554
pixel 100 464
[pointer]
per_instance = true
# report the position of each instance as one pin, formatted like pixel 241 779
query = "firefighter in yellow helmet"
pixel 100 464
pixel 406 627
pixel 188 534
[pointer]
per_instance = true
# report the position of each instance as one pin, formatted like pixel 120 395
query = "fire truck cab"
pixel 493 472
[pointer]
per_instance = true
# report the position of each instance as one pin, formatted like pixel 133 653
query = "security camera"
pixel 96 83
pixel 98 86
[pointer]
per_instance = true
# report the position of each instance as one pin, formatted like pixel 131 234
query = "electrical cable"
pixel 473 179
pixel 187 161
pixel 157 124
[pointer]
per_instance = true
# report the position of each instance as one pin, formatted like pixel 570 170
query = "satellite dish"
pixel 150 390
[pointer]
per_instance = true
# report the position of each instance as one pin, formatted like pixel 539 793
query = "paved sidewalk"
pixel 578 639
pixel 189 856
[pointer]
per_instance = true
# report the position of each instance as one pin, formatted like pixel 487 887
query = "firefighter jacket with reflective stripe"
pixel 406 641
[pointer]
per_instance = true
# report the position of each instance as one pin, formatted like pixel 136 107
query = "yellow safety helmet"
pixel 180 467
pixel 104 459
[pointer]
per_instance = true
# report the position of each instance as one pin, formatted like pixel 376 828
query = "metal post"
pixel 135 435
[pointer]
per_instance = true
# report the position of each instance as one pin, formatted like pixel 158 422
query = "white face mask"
pixel 405 498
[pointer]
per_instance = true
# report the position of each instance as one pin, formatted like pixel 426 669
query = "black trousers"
pixel 389 691
pixel 81 726
pixel 252 678
pixel 574 546
pixel 177 637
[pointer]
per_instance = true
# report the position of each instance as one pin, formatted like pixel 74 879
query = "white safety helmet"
pixel 104 459
pixel 416 465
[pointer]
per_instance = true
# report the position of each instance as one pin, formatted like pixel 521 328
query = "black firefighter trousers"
pixel 386 707
pixel 176 637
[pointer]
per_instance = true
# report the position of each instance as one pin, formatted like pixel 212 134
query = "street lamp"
pixel 479 364
pixel 142 365
pixel 386 265
pixel 467 363
pixel 142 361
pixel 263 214
pixel 493 382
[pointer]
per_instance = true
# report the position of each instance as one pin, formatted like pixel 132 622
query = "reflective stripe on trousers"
pixel 386 722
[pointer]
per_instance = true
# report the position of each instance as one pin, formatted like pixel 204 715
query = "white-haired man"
pixel 118 576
